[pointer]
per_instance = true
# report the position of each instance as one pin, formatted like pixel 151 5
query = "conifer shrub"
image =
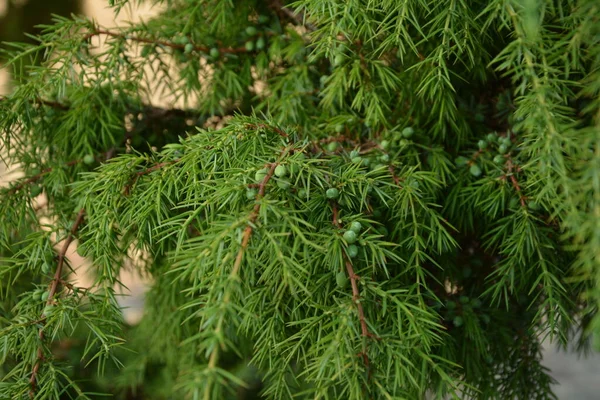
pixel 339 200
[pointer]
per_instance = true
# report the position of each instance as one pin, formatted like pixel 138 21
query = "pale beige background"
pixel 579 379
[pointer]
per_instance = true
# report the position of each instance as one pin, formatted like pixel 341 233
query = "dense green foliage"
pixel 352 199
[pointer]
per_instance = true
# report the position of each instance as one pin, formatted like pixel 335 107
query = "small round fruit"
pixel 475 170
pixel 384 158
pixel 332 193
pixel 188 48
pixel 385 144
pixel 354 153
pixel 281 171
pixel 261 174
pixel 356 226
pixel 260 43
pixel 341 279
pixel 35 190
pixel 249 45
pixel 214 52
pixel 37 295
pixel 491 137
pixel 461 161
pixel 502 149
pixel 303 193
pixel 499 159
pixel 251 31
pixel 403 143
pixel 48 310
pixel 263 19
pixel 408 132
pixel 44 296
pixel 505 141
pixel 251 194
pixel 533 205
pixel 356 160
pixel 332 146
pixel 338 60
pixel 352 251
pixel 350 237
pixel 458 321
pixel 482 144
pixel 339 128
pixel 89 159
pixel 45 268
pixel 284 184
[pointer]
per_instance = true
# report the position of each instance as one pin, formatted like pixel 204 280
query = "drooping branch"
pixel 196 47
pixel 51 293
pixel 355 292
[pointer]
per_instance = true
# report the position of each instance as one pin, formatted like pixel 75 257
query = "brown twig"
pixel 513 179
pixel 51 293
pixel 37 177
pixel 98 32
pixel 298 18
pixel 146 171
pixel 355 292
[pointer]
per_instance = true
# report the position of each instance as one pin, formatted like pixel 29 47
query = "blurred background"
pixel 578 378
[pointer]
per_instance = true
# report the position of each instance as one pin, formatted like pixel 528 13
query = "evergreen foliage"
pixel 358 200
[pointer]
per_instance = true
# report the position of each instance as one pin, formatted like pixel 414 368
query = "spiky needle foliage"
pixel 357 200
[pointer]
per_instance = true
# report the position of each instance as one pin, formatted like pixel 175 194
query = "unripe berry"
pixel 482 144
pixel 89 159
pixel 260 43
pixel 384 158
pixel 332 146
pixel 45 268
pixel 408 132
pixel 533 205
pixel 461 161
pixel 188 48
pixel 284 184
pixel 385 144
pixel 499 159
pixel 491 137
pixel 303 193
pixel 251 194
pixel 251 31
pixel 263 19
pixel 214 52
pixel 281 171
pixel 332 193
pixel 35 190
pixel 260 175
pixel 475 170
pixel 356 160
pixel 458 321
pixel 350 237
pixel 502 149
pixel 356 226
pixel 44 296
pixel 354 153
pixel 352 251
pixel 339 128
pixel 341 279
pixel 249 45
